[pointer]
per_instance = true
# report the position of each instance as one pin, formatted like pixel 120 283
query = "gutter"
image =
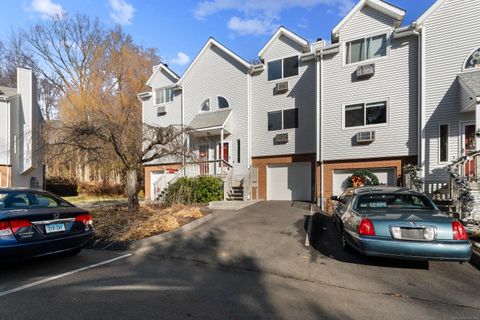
pixel 405 32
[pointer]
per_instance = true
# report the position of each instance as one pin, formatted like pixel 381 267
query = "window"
pixel 359 115
pixel 222 103
pixel 474 60
pixel 285 119
pixel 444 143
pixel 205 105
pixel 290 118
pixel 366 49
pixel 393 201
pixel 163 95
pixel 25 200
pixel 275 120
pixel 282 68
pixel 238 151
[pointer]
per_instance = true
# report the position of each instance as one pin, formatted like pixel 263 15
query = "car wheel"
pixel 345 245
pixel 71 253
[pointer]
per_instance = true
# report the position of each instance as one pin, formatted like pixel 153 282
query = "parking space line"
pixel 63 275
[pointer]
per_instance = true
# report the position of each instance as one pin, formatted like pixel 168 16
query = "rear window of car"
pixel 30 200
pixel 393 201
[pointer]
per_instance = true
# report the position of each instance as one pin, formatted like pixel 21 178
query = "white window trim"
pixel 282 78
pixel 386 32
pixel 164 95
pixel 282 112
pixel 210 105
pixel 366 126
pixel 464 69
pixel 439 143
pixel 218 105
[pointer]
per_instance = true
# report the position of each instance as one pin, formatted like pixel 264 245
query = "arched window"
pixel 474 60
pixel 205 106
pixel 222 103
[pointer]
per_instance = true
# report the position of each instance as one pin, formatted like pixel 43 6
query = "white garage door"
pixel 289 182
pixel 385 177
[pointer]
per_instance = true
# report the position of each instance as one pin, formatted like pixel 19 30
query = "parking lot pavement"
pixel 251 264
pixel 22 275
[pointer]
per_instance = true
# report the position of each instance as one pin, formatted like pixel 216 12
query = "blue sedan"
pixel 36 223
pixel 398 223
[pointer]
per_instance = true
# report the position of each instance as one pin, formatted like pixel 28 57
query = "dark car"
pixel 398 223
pixel 36 223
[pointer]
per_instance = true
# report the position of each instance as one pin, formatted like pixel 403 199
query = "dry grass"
pixel 118 224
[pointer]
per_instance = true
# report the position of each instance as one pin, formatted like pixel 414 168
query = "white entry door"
pixel 289 182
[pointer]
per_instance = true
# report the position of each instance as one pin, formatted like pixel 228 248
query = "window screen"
pixel 290 118
pixel 290 67
pixel 275 120
pixel 274 70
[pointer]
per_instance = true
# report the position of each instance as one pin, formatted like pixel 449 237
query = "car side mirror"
pixel 334 198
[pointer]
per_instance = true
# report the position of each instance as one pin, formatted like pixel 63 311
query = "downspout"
pixel 8 183
pixel 249 119
pixel 422 102
pixel 321 131
pixel 182 112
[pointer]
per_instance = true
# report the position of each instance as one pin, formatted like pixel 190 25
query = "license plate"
pixel 55 227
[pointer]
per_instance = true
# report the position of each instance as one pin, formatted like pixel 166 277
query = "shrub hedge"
pixel 194 190
pixel 61 186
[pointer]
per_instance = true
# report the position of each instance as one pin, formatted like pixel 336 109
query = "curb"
pixel 148 242
pixel 475 259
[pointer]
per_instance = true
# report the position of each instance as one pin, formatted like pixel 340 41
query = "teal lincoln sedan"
pixel 398 223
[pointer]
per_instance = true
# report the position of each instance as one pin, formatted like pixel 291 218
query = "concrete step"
pixel 230 205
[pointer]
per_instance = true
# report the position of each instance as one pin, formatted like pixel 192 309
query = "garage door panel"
pixel 289 182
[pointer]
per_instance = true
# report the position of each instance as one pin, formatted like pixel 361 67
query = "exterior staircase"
pixel 236 192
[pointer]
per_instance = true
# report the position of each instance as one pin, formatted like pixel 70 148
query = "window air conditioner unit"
pixel 281 87
pixel 365 71
pixel 161 111
pixel 366 137
pixel 281 138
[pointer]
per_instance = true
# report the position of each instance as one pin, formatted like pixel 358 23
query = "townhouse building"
pixel 378 96
pixel 20 143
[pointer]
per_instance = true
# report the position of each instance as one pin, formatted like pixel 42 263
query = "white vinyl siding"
pixel 453 22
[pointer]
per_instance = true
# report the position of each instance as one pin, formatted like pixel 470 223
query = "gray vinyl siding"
pixel 4 135
pixel 395 81
pixel 301 95
pixel 162 79
pixel 364 22
pixel 281 48
pixel 451 36
pixel 217 74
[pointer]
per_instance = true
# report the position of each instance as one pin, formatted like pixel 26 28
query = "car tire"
pixel 72 252
pixel 345 245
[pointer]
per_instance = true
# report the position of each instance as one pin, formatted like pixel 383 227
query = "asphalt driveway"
pixel 249 264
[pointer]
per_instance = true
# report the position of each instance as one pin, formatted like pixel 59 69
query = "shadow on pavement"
pixel 326 240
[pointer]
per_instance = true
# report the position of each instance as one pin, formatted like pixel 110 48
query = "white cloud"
pixel 181 59
pixel 261 17
pixel 253 26
pixel 122 11
pixel 47 8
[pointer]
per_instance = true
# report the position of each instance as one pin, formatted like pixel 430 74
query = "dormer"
pixel 162 76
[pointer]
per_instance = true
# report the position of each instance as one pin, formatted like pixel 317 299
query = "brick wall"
pixel 150 169
pixel 331 166
pixel 4 176
pixel 262 162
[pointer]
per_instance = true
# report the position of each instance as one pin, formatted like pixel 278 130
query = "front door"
pixel 469 146
pixel 204 165
pixel 226 152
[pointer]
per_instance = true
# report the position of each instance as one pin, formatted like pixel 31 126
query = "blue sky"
pixel 179 29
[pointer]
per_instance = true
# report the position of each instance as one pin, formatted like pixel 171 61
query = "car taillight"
pixel 5 230
pixel 86 219
pixel 19 224
pixel 459 232
pixel 365 228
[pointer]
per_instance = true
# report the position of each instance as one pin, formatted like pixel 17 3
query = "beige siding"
pixel 451 35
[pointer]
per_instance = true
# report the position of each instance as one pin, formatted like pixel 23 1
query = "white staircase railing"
pixel 249 182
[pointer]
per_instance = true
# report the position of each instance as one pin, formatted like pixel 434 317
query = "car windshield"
pixel 29 200
pixel 393 201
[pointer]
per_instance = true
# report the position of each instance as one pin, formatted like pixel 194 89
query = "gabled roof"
pixel 471 80
pixel 379 5
pixel 210 119
pixel 213 42
pixel 424 17
pixel 162 66
pixel 8 92
pixel 282 31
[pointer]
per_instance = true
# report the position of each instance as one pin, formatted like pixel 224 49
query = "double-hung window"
pixel 163 95
pixel 283 119
pixel 443 143
pixel 282 68
pixel 366 49
pixel 365 114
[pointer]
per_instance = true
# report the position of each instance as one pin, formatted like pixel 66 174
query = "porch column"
pixel 221 144
pixel 477 126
